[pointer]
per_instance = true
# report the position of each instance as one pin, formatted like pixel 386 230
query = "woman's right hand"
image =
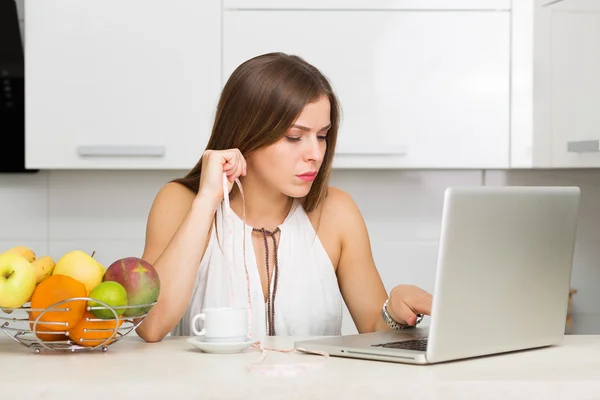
pixel 214 163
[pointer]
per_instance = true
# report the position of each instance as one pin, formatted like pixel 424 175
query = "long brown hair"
pixel 259 103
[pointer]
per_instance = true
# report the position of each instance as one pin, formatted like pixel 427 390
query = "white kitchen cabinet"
pixel 421 85
pixel 387 5
pixel 555 84
pixel 120 84
pixel 568 73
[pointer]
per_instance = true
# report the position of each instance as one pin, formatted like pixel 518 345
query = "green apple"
pixel 17 280
pixel 111 293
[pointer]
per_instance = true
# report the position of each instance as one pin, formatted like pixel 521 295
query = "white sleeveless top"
pixel 308 301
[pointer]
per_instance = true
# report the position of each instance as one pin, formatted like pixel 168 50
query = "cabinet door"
pixel 386 5
pixel 571 73
pixel 120 84
pixel 423 89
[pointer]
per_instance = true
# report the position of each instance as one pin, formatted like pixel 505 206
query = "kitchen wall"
pixel 105 211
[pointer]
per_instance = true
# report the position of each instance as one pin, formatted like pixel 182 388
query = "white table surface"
pixel 133 369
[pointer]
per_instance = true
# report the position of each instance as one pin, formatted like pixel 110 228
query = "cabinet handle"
pixel 584 146
pixel 121 151
pixel 551 2
pixel 371 150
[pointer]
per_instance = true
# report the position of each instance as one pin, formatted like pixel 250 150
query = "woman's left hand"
pixel 406 301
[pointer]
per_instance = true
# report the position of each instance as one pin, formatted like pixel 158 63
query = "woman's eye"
pixel 322 137
pixel 292 139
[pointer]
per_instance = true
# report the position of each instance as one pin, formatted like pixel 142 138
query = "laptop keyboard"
pixel 415 344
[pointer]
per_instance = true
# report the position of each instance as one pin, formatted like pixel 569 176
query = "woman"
pixel 308 249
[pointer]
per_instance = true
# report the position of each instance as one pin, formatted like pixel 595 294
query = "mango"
pixel 140 280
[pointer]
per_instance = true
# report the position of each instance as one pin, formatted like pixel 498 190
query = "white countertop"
pixel 133 369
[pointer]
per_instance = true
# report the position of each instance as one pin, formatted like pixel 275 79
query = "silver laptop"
pixel 502 280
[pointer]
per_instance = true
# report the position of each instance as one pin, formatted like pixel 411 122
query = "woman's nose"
pixel 314 150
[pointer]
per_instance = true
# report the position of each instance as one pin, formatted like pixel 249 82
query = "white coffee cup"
pixel 222 325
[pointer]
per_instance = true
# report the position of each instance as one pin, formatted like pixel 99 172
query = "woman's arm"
pixel 177 233
pixel 358 278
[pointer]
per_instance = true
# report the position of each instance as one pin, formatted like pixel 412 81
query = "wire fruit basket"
pixel 34 333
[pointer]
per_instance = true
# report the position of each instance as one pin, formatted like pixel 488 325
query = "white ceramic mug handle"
pixel 201 316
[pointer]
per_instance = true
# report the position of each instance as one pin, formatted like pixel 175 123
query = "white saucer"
pixel 219 348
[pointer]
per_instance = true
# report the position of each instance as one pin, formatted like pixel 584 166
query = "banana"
pixel 43 268
pixel 23 252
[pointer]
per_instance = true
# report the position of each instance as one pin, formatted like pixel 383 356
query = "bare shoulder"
pixel 337 214
pixel 334 207
pixel 338 203
pixel 339 208
pixel 175 195
pixel 171 204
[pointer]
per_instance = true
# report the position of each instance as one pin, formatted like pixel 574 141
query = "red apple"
pixel 140 280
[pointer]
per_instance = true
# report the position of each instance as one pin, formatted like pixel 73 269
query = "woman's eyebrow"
pixel 306 129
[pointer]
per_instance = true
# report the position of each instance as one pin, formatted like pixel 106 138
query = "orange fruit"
pixel 52 290
pixel 47 337
pixel 93 333
pixel 52 337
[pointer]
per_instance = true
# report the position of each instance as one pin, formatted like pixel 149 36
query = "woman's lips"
pixel 308 176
